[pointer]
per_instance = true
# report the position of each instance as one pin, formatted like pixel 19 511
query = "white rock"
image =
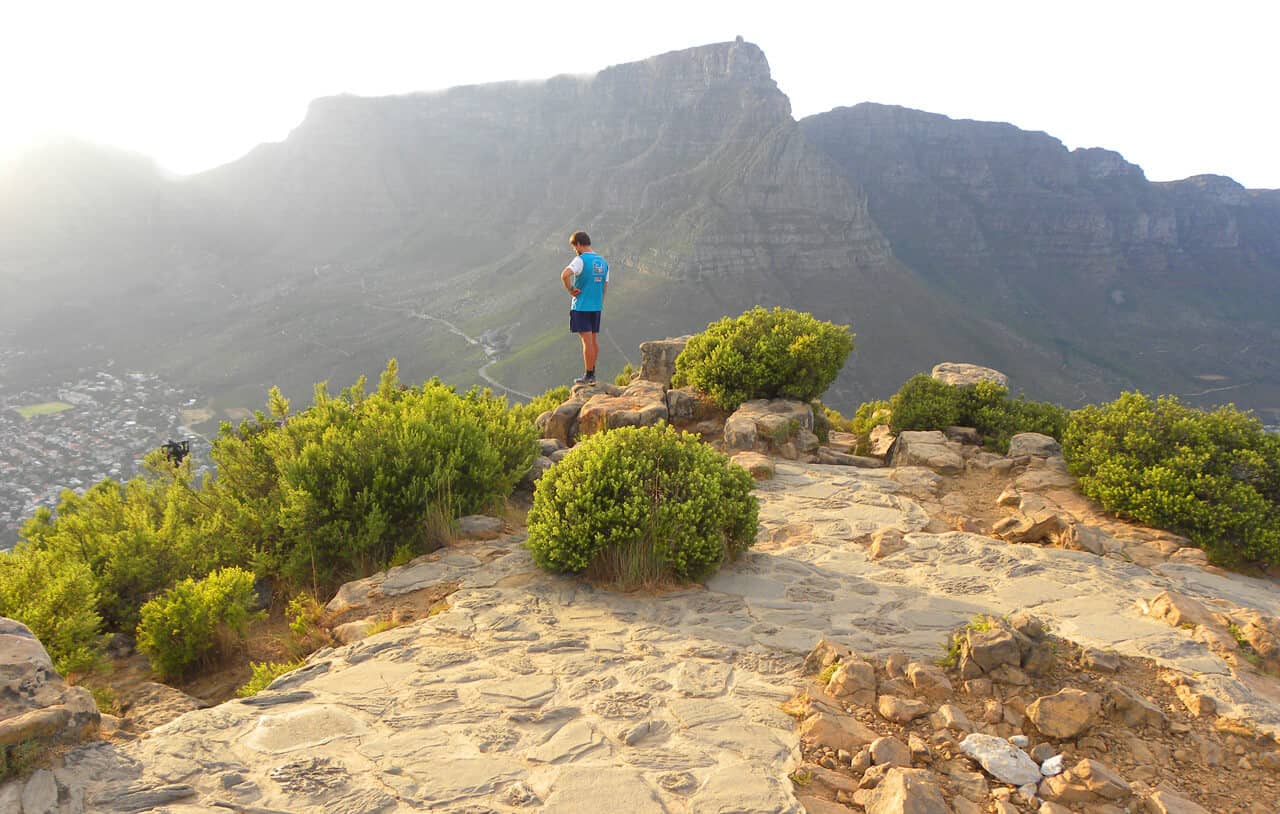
pixel 1001 759
pixel 1053 766
pixel 1020 741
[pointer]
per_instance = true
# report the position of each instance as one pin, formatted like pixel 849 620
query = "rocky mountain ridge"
pixel 1180 278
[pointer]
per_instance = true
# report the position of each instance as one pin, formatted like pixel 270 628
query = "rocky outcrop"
pixel 780 426
pixel 36 705
pixel 658 359
pixel 928 449
pixel 963 374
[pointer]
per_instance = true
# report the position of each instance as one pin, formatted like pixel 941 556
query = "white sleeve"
pixel 575 266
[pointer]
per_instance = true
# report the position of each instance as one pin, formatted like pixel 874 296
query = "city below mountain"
pixel 432 227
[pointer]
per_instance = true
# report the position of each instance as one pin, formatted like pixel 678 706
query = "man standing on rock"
pixel 586 279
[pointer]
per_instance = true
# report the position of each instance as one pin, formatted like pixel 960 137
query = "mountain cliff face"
pixel 1166 286
pixel 687 167
pixel 433 227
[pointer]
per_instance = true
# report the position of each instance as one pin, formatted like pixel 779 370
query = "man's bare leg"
pixel 590 350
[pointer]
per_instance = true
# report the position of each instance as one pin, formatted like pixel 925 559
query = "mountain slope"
pixel 1167 286
pixel 687 167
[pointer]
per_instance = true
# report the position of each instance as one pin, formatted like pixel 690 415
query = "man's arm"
pixel 565 277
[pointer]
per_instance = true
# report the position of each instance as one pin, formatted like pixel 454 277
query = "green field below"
pixel 47 408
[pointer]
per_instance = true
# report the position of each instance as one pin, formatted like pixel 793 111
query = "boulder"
pixel 928 449
pixel 760 466
pixel 658 359
pixel 885 542
pixel 900 710
pixel 855 680
pixel 740 433
pixel 1033 444
pixel 1089 781
pixel 540 466
pixel 823 655
pixel 1041 525
pixel 35 703
pixel 1262 633
pixel 890 752
pixel 906 791
pixel 781 426
pixel 1183 611
pixel 640 404
pixel 953 718
pixel 962 374
pixel 1066 713
pixel 992 648
pixel 881 440
pixel 562 424
pixel 836 732
pixel 1001 759
pixel 929 681
pixel 354 631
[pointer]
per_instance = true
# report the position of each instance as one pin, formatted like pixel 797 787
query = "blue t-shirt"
pixel 590 273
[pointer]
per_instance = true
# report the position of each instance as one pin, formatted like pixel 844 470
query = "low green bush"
pixel 924 403
pixel 195 622
pixel 56 597
pixel 641 505
pixel 1212 476
pixel 262 673
pixel 764 354
pixel 335 491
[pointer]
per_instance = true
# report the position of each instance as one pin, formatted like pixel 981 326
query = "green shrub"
pixel 624 377
pixel 332 492
pixel 263 673
pixel 136 538
pixel 56 597
pixel 924 403
pixel 1212 476
pixel 641 505
pixel 312 498
pixel 194 622
pixel 764 354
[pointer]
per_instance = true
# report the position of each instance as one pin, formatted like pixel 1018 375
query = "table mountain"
pixel 433 226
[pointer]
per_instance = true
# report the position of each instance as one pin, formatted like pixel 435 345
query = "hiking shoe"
pixel 586 378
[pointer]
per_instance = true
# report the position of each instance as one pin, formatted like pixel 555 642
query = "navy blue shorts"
pixel 584 322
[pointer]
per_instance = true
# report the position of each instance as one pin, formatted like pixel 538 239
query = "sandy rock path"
pixel 536 691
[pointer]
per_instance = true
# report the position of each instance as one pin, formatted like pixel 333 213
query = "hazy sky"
pixel 1180 88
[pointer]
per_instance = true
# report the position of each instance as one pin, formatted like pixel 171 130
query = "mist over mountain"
pixel 432 227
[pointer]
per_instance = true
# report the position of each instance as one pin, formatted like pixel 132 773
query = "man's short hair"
pixel 580 239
